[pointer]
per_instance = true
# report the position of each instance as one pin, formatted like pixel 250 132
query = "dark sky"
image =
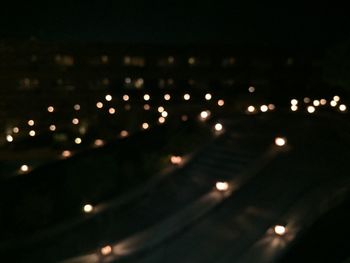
pixel 176 22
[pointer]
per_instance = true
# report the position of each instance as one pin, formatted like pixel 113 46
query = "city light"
pixel 161 120
pixel 323 102
pixel 294 102
pixel 77 140
pixel 88 208
pixel 106 250
pixel 204 114
pixel 294 107
pixel 311 109
pixel 279 230
pixel 222 186
pixel 24 168
pixel 221 103
pixel 167 97
pixel 336 98
pixel 279 141
pixel 208 96
pixel 263 108
pixel 9 138
pixel 187 96
pixel 75 121
pixel 31 123
pixel 111 111
pixel 307 100
pixel 125 97
pixel 146 97
pixel 333 103
pixel 271 106
pixel 160 109
pixel 218 127
pixel 145 125
pixel 316 103
pixel 66 154
pixel 50 109
pixel 99 143
pixel 251 109
pixel 15 130
pixel 251 89
pixel 76 107
pixel 176 160
pixel 342 107
pixel 146 107
pixel 108 97
pixel 164 114
pixel 32 133
pixel 124 133
pixel 52 127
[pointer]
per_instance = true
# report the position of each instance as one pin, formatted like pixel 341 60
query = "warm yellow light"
pixel 99 105
pixel 145 125
pixel 251 109
pixel 126 97
pixel 88 208
pixel 218 127
pixel 75 121
pixel 176 159
pixel 161 119
pixel 32 133
pixel 311 109
pixel 323 102
pixel 263 108
pixel 307 100
pixel 124 133
pixel 294 107
pixel 251 89
pixel 24 168
pixel 279 141
pixel 50 109
pixel 191 60
pixel 316 103
pixel 333 103
pixel 221 103
pixel 208 96
pixel 111 111
pixel 77 140
pixel 294 102
pixel 76 107
pixel 167 97
pixel 187 96
pixel 336 98
pixel 66 154
pixel 279 230
pixel 52 127
pixel 204 114
pixel 342 107
pixel 15 130
pixel 9 138
pixel 184 117
pixel 222 186
pixel 99 143
pixel 31 123
pixel 146 97
pixel 160 109
pixel 164 114
pixel 106 250
pixel 146 107
pixel 108 97
pixel 271 106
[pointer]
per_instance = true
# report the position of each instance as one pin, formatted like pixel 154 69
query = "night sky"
pixel 176 22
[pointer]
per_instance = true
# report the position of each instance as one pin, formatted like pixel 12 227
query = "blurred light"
pixel 108 97
pixel 9 138
pixel 146 107
pixel 66 154
pixel 187 96
pixel 191 60
pixel 99 143
pixel 125 97
pixel 76 107
pixel 145 125
pixel 221 103
pixel 336 98
pixel 146 97
pixel 264 108
pixel 77 140
pixel 307 100
pixel 251 109
pixel 294 102
pixel 333 103
pixel 279 230
pixel 208 96
pixel 124 133
pixel 15 130
pixel 323 102
pixel 111 110
pixel 99 105
pixel 311 109
pixel 161 119
pixel 88 208
pixel 342 107
pixel 24 168
pixel 251 89
pixel 316 103
pixel 221 186
pixel 279 141
pixel 52 127
pixel 31 123
pixel 184 117
pixel 271 106
pixel 218 127
pixel 176 159
pixel 127 107
pixel 50 109
pixel 160 109
pixel 106 250
pixel 294 107
pixel 167 97
pixel 75 121
pixel 204 114
pixel 32 133
pixel 164 114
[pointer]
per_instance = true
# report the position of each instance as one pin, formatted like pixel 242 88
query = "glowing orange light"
pixel 221 103
pixel 50 109
pixel 175 159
